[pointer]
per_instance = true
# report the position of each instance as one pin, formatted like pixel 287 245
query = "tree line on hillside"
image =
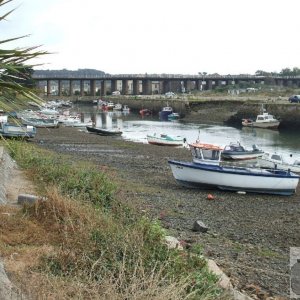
pixel 65 72
pixel 284 72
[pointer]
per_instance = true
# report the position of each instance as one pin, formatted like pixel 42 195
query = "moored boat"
pixel 277 160
pixel 165 112
pixel 8 130
pixel 40 122
pixel 205 170
pixel 102 131
pixel 173 116
pixel 263 120
pixel 145 112
pixel 165 140
pixel 235 151
pixel 125 108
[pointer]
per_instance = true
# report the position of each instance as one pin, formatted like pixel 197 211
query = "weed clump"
pixel 92 247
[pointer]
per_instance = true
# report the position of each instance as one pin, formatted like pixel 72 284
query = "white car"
pixel 170 95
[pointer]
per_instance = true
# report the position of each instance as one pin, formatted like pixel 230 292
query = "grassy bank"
pixel 81 242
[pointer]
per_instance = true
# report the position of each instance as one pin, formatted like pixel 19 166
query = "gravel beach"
pixel 249 235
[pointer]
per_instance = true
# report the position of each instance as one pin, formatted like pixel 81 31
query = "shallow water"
pixel 135 128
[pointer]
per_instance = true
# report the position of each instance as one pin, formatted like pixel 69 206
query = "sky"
pixel 158 36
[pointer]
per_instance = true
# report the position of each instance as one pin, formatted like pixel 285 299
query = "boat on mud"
pixel 102 131
pixel 235 151
pixel 163 139
pixel 206 171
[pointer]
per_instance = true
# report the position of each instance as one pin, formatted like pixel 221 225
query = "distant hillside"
pixel 65 72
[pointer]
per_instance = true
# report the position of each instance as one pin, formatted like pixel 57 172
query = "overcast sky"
pixel 159 36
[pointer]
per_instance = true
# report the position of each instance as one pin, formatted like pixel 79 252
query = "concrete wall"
pixel 6 165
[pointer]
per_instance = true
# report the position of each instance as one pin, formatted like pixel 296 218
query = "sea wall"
pixel 229 110
pixel 232 112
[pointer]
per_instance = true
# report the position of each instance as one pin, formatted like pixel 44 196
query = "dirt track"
pixel 249 235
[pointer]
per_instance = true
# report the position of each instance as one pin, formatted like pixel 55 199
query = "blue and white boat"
pixel 165 112
pixel 173 116
pixel 8 130
pixel 206 171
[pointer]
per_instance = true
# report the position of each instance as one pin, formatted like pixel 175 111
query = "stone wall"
pixel 6 165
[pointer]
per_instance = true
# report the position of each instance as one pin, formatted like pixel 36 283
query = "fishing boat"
pixel 145 112
pixel 278 160
pixel 80 124
pixel 206 171
pixel 166 110
pixel 165 140
pixel 118 106
pixel 263 120
pixel 8 130
pixel 40 122
pixel 125 109
pixel 102 131
pixel 173 116
pixel 235 151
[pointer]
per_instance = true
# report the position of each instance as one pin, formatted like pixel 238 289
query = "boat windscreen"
pixel 210 154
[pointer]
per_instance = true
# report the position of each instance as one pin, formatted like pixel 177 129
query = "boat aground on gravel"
pixel 165 139
pixel 206 170
pixel 235 151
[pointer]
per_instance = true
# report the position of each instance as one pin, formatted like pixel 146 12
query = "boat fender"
pixel 210 197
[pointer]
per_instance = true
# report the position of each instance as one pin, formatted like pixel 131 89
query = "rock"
pixel 200 226
pixel 173 243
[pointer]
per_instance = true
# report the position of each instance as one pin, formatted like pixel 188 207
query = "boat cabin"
pixel 206 153
pixel 265 117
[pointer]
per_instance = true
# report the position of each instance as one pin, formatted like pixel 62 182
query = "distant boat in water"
pixel 165 112
pixel 263 120
pixel 145 112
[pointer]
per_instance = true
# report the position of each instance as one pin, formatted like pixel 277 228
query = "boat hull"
pixel 242 156
pixel 267 125
pixel 266 163
pixel 17 131
pixel 234 178
pixel 104 132
pixel 156 140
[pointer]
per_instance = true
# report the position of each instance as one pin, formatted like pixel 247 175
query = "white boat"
pixel 9 130
pixel 49 111
pixel 206 171
pixel 75 121
pixel 263 120
pixel 125 108
pixel 165 140
pixel 40 122
pixel 173 116
pixel 235 151
pixel 80 124
pixel 277 160
pixel 69 120
pixel 117 106
pixel 166 110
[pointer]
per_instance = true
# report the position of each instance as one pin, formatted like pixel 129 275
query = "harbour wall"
pixel 219 109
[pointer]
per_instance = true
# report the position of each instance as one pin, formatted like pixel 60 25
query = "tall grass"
pixel 95 247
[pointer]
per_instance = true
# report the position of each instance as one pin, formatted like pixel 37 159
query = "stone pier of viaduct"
pixel 149 84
